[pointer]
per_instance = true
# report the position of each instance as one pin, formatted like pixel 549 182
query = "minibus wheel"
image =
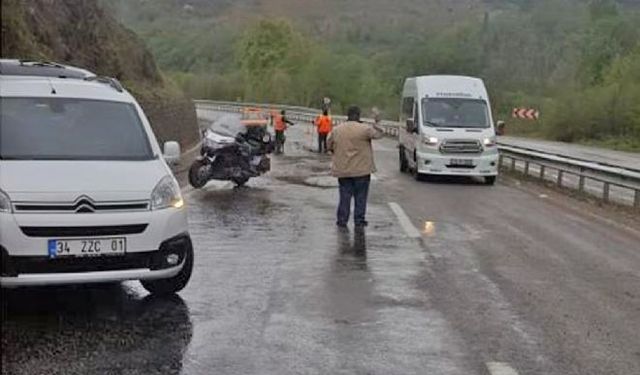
pixel 414 171
pixel 404 165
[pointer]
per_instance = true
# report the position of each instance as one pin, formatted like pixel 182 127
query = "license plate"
pixel 461 162
pixel 87 247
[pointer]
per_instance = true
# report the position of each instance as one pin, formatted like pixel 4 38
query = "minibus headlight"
pixel 430 141
pixel 166 194
pixel 490 142
pixel 5 202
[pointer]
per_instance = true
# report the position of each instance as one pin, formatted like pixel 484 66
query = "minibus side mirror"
pixel 172 152
pixel 500 128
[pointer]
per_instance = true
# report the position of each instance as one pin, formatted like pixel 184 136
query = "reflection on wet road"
pixel 495 280
pixel 106 329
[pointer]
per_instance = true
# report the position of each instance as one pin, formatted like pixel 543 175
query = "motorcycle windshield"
pixel 229 126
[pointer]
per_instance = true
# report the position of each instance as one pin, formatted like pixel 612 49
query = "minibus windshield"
pixel 455 113
pixel 71 129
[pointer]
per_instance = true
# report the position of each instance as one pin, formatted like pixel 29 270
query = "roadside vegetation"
pixel 38 30
pixel 577 61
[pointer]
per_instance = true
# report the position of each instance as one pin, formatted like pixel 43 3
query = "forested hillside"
pixel 81 33
pixel 578 61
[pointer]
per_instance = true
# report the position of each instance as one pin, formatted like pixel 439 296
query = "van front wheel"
pixel 173 284
pixel 490 180
pixel 404 165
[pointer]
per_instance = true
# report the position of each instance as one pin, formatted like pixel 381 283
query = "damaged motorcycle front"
pixel 232 150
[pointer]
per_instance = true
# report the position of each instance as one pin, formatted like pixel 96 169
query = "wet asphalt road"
pixel 538 283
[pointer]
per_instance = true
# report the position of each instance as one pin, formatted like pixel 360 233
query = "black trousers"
pixel 322 142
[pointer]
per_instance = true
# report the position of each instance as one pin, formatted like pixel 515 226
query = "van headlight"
pixel 166 194
pixel 5 202
pixel 430 141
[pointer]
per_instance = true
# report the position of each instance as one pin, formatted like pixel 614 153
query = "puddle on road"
pixel 323 181
pixel 311 172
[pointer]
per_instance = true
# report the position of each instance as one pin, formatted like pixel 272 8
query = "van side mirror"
pixel 500 128
pixel 172 152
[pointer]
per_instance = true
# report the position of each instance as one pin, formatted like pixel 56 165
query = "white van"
pixel 446 128
pixel 85 193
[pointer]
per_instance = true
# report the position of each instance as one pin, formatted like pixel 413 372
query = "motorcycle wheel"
pixel 198 177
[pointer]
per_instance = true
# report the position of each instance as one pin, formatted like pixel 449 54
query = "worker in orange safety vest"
pixel 324 126
pixel 280 124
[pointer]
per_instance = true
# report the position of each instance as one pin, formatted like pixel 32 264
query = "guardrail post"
pixel 605 192
pixel 542 169
pixel 526 167
pixel 636 199
pixel 581 184
pixel 500 161
pixel 560 174
pixel 513 164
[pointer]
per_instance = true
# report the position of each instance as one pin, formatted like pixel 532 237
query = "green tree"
pixel 269 53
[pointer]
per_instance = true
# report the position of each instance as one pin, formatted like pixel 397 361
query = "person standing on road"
pixel 324 126
pixel 280 123
pixel 353 165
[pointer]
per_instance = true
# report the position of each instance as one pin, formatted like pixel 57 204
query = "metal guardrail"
pixel 585 171
pixel 293 112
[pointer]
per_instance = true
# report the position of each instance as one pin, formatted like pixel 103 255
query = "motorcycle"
pixel 232 150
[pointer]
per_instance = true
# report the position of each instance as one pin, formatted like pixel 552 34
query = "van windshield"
pixel 71 129
pixel 455 113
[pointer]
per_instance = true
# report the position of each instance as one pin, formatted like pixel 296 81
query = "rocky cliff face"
pixel 81 33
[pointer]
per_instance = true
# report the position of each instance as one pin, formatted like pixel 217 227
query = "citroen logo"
pixel 84 204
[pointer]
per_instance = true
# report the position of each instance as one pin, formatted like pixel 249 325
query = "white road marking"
pixel 500 368
pixel 404 221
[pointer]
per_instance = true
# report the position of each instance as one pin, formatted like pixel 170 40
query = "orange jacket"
pixel 278 122
pixel 324 125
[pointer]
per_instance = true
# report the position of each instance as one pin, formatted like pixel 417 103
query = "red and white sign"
pixel 526 113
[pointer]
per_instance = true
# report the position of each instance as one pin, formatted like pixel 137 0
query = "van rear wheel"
pixel 173 284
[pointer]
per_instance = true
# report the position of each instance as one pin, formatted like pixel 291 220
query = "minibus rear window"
pixel 71 129
pixel 455 113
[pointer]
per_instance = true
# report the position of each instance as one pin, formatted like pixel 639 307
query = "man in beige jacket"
pixel 353 165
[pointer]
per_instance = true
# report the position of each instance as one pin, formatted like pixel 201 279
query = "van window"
pixel 407 108
pixel 455 113
pixel 71 129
